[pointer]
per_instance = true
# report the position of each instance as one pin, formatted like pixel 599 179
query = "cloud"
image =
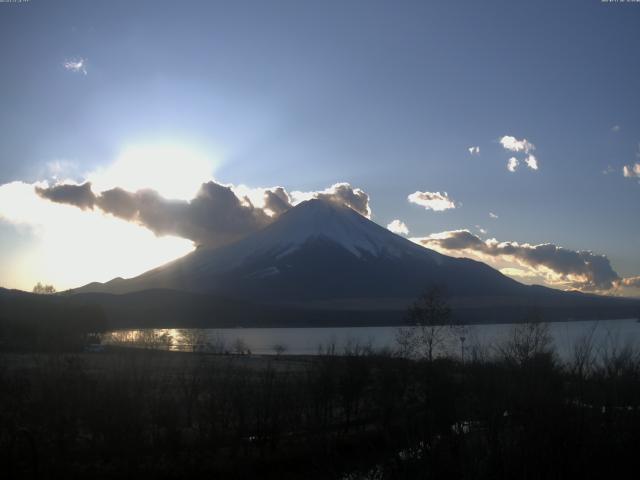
pixel 514 145
pixel 608 170
pixel 517 272
pixel 493 215
pixel 615 128
pixel 399 227
pixel 121 203
pixel 276 201
pixel 76 65
pixel 214 217
pixel 531 162
pixel 217 215
pixel 474 150
pixel 452 240
pixel 633 282
pixel 273 200
pixel 631 171
pixel 341 193
pixel 558 266
pixel 79 195
pixel 435 201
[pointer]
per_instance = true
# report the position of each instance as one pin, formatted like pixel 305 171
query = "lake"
pixel 308 341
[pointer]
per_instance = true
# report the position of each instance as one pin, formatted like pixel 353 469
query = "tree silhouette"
pixel 41 289
pixel 430 318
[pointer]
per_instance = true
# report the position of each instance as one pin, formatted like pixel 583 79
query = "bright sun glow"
pixel 72 247
pixel 175 171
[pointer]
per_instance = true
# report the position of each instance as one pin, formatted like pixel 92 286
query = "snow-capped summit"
pixel 315 220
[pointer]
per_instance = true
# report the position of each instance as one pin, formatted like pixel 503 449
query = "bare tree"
pixel 240 346
pixel 584 356
pixel 527 341
pixel 193 339
pixel 279 349
pixel 430 320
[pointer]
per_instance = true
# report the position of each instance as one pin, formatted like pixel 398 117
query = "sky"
pixel 507 131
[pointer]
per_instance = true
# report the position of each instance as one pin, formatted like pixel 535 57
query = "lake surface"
pixel 309 341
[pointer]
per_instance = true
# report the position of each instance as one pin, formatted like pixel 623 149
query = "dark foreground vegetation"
pixel 514 411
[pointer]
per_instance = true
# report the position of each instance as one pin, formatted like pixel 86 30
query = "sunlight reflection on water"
pixel 308 341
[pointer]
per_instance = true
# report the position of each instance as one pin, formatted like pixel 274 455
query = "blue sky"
pixel 387 96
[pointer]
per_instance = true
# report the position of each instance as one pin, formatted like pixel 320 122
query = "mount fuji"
pixel 327 258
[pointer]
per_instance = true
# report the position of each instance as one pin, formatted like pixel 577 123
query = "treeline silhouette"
pixel 39 323
pixel 513 411
pixel 176 309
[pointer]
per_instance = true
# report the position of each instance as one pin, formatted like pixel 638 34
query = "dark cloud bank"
pixel 583 270
pixel 79 195
pixel 216 216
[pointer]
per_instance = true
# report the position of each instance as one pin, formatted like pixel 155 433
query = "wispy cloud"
pixel 435 201
pixel 474 150
pixel 493 215
pixel 399 227
pixel 615 128
pixel 76 65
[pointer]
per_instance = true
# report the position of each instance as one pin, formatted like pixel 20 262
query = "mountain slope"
pixel 320 251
